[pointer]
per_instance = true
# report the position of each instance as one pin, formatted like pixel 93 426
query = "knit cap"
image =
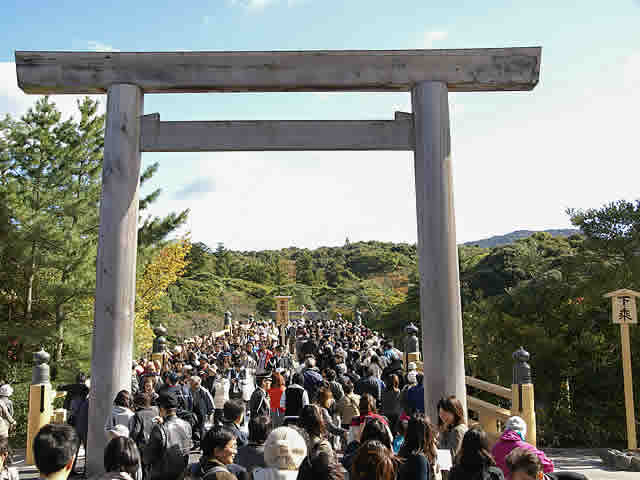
pixel 285 449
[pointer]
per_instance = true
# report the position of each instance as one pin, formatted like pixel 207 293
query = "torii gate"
pixel 428 74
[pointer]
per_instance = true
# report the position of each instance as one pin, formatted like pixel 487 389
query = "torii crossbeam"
pixel 428 74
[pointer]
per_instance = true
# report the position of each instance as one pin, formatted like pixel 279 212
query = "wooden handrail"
pixel 489 387
pixel 477 404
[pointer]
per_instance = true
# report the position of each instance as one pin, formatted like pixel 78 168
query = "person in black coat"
pixel 167 452
pixel 233 418
pixel 369 384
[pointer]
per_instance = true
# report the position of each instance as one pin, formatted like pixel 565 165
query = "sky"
pixel 520 158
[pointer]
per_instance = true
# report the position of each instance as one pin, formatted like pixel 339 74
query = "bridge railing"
pixel 521 396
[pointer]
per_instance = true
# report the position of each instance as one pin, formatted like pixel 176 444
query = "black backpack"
pixel 138 434
pixel 187 416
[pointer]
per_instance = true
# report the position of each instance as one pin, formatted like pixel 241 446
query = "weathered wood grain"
pixel 116 264
pixel 440 307
pixel 264 135
pixel 463 70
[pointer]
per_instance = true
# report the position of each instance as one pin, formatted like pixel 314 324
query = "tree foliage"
pixel 165 268
pixel 50 184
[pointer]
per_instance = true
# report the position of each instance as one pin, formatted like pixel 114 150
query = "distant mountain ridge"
pixel 499 240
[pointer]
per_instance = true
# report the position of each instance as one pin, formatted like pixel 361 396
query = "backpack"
pixel 211 474
pixel 187 416
pixel 138 434
pixel 172 462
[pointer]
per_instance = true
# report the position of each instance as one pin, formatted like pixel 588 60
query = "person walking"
pixel 474 461
pixel 167 453
pixel 284 452
pixel 348 406
pixel 202 408
pixel 121 413
pixel 294 398
pixel 251 456
pixel 275 394
pixel 259 403
pixel 515 431
pixel 391 404
pixel 451 424
pixel 419 451
pixel 7 472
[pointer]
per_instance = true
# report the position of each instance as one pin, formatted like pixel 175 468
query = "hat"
pixel 167 399
pixel 264 375
pixel 118 431
pixel 412 366
pixel 285 449
pixel 6 390
pixel 516 424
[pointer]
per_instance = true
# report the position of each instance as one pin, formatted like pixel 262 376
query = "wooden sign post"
pixel 624 313
pixel 282 315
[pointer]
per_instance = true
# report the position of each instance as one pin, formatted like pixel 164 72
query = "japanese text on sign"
pixel 624 310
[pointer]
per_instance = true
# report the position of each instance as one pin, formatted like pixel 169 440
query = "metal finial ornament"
pixel 160 342
pixel 521 369
pixel 40 372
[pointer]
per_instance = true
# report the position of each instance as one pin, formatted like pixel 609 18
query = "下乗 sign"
pixel 623 304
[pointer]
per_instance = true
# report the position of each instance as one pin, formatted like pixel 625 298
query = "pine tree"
pixel 50 182
pixel 52 188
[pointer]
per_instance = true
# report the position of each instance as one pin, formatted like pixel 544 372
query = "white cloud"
pixel 278 199
pixel 16 103
pixel 253 5
pixel 101 47
pixel 259 5
pixel 519 161
pixel 430 38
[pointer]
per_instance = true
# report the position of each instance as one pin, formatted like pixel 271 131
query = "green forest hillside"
pixel 506 239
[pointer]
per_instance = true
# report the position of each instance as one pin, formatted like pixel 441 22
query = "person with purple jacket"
pixel 515 431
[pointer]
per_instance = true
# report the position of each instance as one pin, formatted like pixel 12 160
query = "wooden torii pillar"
pixel 428 74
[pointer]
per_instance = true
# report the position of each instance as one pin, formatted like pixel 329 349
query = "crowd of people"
pixel 328 400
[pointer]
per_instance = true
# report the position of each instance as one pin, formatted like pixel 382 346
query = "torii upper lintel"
pixel 463 70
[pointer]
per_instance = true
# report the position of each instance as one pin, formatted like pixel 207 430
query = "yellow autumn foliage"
pixel 164 269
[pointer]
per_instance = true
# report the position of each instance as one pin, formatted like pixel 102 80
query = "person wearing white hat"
pixel 6 418
pixel 284 451
pixel 5 392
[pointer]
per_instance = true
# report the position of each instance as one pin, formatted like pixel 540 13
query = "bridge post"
pixel 116 264
pixel 440 309
pixel 522 402
pixel 40 401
